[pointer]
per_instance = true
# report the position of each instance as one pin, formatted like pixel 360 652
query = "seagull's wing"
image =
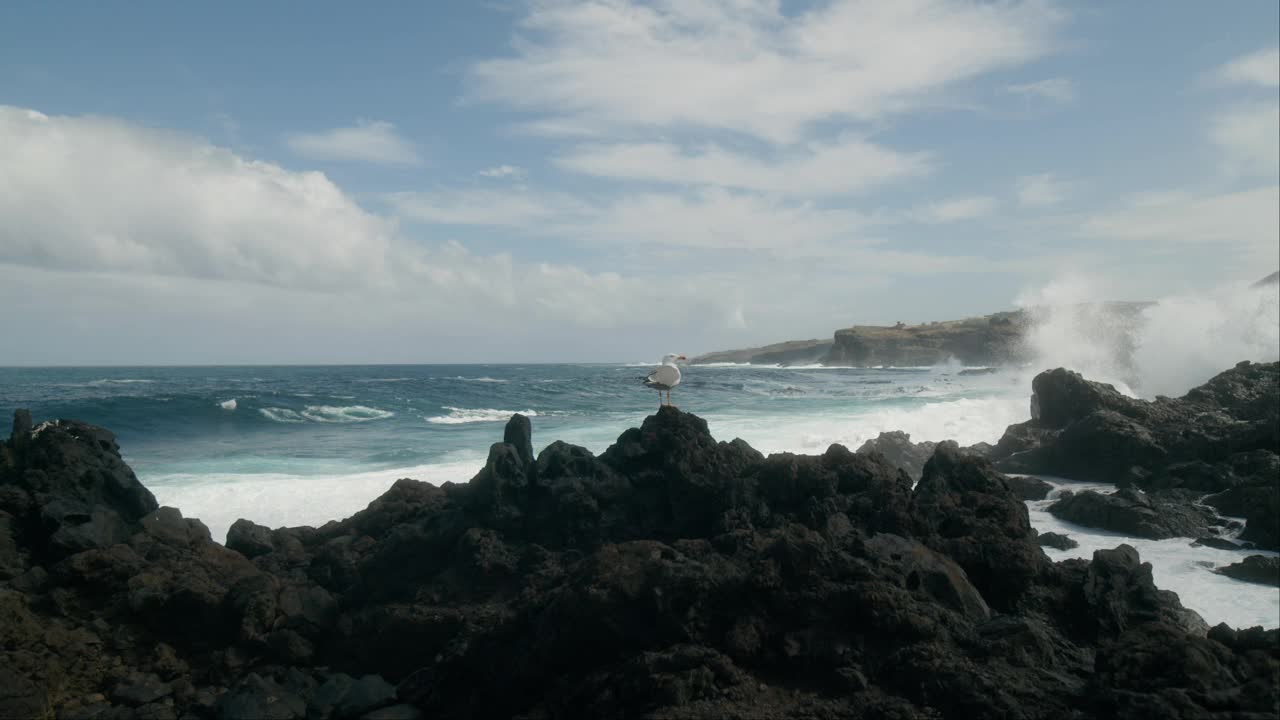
pixel 666 375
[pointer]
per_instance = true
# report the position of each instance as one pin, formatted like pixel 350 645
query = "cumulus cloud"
pixel 955 209
pixel 1261 68
pixel 707 218
pixel 745 65
pixel 1248 135
pixel 1041 190
pixel 1244 223
pixel 1059 89
pixel 370 142
pixel 96 193
pixel 151 246
pixel 845 166
pixel 502 171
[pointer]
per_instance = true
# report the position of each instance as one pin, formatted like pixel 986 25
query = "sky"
pixel 602 181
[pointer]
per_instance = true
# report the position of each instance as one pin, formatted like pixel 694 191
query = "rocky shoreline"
pixel 673 576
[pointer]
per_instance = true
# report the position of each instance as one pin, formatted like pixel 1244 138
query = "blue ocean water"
pixel 303 445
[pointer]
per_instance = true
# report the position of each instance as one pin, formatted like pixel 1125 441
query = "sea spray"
pixel 1146 349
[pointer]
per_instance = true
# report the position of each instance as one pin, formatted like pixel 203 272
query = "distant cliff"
pixel 790 352
pixel 994 339
pixel 986 340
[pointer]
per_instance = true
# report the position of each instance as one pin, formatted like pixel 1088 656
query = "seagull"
pixel 665 377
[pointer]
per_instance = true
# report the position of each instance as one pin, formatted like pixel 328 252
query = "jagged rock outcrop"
pixel 897 448
pixel 1056 540
pixel 672 576
pixel 1221 439
pixel 1132 513
pixel 1259 569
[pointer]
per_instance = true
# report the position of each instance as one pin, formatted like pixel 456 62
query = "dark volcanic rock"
pixel 1215 542
pixel 1056 540
pixel 673 576
pixel 898 449
pixel 962 507
pixel 1222 437
pixel 249 538
pixel 1255 569
pixel 1029 488
pixel 1133 513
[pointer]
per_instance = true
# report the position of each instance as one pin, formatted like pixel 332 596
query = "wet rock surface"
pixel 1260 569
pixel 671 576
pixel 1057 541
pixel 1220 440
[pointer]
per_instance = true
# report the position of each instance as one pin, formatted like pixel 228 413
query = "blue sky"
pixel 541 181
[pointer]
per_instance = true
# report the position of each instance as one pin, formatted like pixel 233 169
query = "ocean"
pixel 303 445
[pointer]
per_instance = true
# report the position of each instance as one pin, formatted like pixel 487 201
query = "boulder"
pixel 1057 541
pixel 1216 543
pixel 141 690
pixel 249 539
pixel 519 435
pixel 1132 513
pixel 1260 569
pixel 258 698
pixel 898 449
pixel 1029 488
pixel 965 509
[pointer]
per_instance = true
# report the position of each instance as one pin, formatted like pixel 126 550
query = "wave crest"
pixel 459 416
pixel 326 414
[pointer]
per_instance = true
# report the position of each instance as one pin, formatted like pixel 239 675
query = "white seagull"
pixel 665 377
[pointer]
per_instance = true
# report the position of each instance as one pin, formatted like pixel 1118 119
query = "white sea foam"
pixel 459 416
pixel 108 381
pixel 228 404
pixel 1175 565
pixel 326 414
pixel 280 500
pixel 482 379
pixel 344 414
pixel 282 415
pixel 965 420
pixel 385 380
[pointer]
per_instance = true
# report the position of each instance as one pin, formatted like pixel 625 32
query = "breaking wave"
pixel 326 414
pixel 1146 349
pixel 461 416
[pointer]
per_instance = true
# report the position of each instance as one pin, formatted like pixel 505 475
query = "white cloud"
pixel 515 207
pixel 1249 137
pixel 97 196
pixel 1059 89
pixel 97 193
pixel 1258 68
pixel 964 208
pixel 1041 190
pixel 120 243
pixel 1245 222
pixel 846 166
pixel 744 65
pixel 371 142
pixel 502 171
